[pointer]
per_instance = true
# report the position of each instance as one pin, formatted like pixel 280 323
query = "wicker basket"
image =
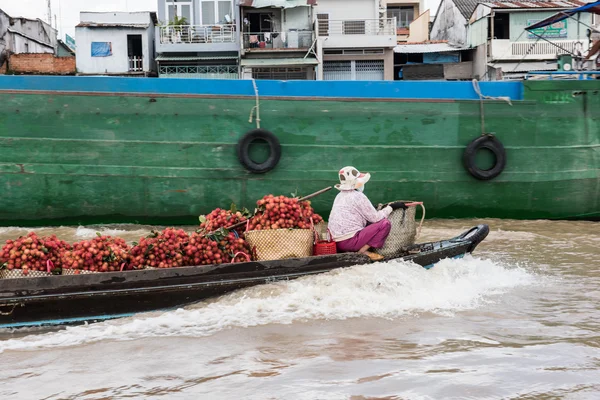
pixel 404 230
pixel 279 244
pixel 18 273
pixel 69 271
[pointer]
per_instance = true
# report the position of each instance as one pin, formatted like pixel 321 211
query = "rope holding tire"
pixel 243 149
pixel 489 142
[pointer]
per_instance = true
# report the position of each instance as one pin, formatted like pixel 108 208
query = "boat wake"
pixel 385 290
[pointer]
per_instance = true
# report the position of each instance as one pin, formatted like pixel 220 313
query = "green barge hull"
pixel 77 150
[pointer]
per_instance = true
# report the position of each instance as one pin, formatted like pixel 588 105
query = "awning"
pixel 559 16
pixel 278 3
pixel 193 58
pixel 277 62
pixel 525 66
pixel 426 48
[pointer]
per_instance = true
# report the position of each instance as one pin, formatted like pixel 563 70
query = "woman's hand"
pixel 397 204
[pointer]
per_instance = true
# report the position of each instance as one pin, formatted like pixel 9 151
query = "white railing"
pixel 199 71
pixel 136 64
pixel 278 40
pixel 370 27
pixel 197 34
pixel 504 49
pixel 522 48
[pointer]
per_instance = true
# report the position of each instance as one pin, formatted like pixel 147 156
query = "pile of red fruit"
pixel 218 248
pixel 160 250
pixel 280 212
pixel 101 254
pixel 220 218
pixel 32 253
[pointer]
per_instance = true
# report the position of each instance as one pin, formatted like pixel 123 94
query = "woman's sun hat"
pixel 351 179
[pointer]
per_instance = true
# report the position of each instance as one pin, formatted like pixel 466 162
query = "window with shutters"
pixel 280 73
pixel 323 24
pixel 354 27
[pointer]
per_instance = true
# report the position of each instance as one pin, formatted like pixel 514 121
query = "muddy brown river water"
pixel 519 319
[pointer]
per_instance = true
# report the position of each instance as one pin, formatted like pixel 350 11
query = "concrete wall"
pixel 518 23
pixel 46 64
pixel 480 66
pixel 297 18
pixel 449 25
pixel 115 17
pixel 458 71
pixel 478 32
pixel 419 29
pixel 118 62
pixel 348 9
pixel 5 37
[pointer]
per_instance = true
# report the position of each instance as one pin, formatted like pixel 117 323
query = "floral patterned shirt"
pixel 351 212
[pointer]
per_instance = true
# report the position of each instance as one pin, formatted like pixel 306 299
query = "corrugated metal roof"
pixel 426 48
pixel 277 3
pixel 193 58
pixel 466 7
pixel 507 4
pixel 277 62
pixel 526 66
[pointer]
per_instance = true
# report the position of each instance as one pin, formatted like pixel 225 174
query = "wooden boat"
pixel 58 300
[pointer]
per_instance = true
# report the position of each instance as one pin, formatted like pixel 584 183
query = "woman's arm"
pixel 366 209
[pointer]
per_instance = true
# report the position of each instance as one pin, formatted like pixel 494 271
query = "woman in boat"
pixel 354 223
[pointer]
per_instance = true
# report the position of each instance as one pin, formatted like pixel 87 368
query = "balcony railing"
pixel 278 40
pixel 504 49
pixel 199 71
pixel 370 27
pixel 182 34
pixel 136 64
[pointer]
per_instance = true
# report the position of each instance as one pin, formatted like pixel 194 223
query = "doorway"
pixel 135 53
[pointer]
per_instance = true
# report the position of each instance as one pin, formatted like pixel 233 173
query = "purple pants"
pixel 374 235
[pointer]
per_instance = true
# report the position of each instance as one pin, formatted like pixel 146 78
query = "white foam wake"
pixel 388 290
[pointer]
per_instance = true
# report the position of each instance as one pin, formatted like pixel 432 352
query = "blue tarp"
pixel 101 49
pixel 559 16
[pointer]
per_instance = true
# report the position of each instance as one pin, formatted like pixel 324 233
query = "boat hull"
pixel 76 298
pixel 110 150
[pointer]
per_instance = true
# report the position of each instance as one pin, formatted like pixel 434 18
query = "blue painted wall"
pixel 328 89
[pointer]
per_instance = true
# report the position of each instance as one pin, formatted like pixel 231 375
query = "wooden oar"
pixel 310 196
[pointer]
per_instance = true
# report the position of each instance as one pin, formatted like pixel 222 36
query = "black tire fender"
pixel 243 148
pixel 491 143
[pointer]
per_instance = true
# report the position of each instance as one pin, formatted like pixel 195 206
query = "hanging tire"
pixel 491 143
pixel 243 148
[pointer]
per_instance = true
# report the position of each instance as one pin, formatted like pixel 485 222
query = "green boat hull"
pixel 84 158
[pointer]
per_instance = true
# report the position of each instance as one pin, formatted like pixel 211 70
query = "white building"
pixel 198 39
pixel 278 39
pixel 116 43
pixel 22 35
pixel 355 40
